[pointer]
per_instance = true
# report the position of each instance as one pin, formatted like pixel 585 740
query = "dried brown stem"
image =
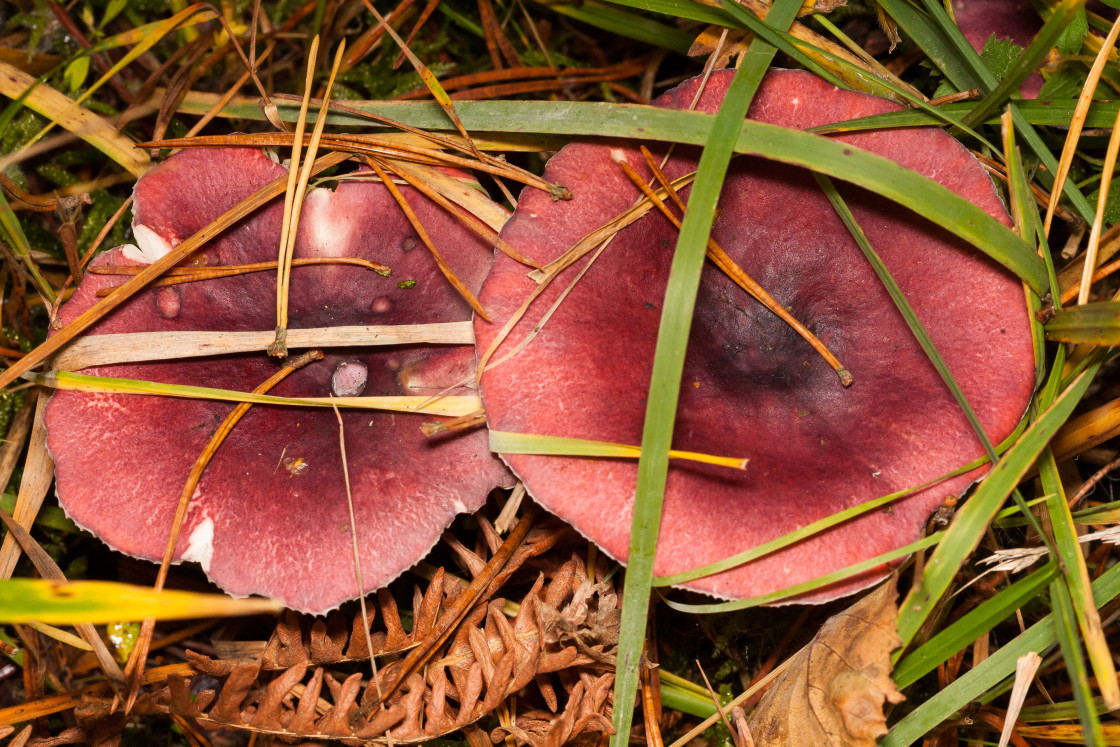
pixel 178 275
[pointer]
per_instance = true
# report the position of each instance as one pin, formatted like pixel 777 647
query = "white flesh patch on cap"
pixel 150 246
pixel 200 545
pixel 328 227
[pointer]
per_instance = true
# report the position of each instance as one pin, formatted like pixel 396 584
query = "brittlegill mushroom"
pixel 752 386
pixel 270 513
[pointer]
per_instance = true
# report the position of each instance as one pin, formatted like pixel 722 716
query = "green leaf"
pixel 112 9
pixel 1066 83
pixel 1091 324
pixel 1000 55
pixel 1073 36
pixel 97 602
pixel 76 73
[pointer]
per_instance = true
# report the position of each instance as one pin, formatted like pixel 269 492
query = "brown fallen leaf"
pixel 707 42
pixel 833 691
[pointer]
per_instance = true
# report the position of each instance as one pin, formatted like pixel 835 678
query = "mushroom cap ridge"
pixel 270 513
pixel 751 387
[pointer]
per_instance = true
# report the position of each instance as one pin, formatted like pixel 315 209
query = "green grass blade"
pixel 972 521
pixel 17 240
pixel 578 117
pixel 806 587
pixel 814 528
pixel 971 626
pixel 1046 113
pixel 1077 590
pixel 934 41
pixel 943 42
pixel 1065 625
pixel 668 364
pixel 975 682
pixel 97 602
pixel 508 442
pixel 453 406
pixel 916 327
pixel 1091 324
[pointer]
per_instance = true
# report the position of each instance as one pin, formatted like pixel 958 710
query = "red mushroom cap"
pixel 752 387
pixel 270 513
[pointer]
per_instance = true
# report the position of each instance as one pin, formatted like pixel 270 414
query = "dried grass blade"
pixel 99 350
pixel 467 220
pixel 55 105
pixel 1076 124
pixel 139 655
pixel 422 232
pixel 176 255
pixel 1093 247
pixel 469 198
pixel 288 240
pixel 38 472
pixel 145 43
pixel 354 542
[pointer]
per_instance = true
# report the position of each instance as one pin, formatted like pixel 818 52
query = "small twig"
pixel 1091 483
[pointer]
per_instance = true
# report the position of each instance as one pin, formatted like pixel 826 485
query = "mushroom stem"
pixel 724 262
pixel 135 667
pixel 178 275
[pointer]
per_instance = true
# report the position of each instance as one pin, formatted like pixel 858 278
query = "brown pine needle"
pixel 429 80
pixel 730 268
pixel 135 668
pixel 179 275
pixel 1102 272
pixel 417 226
pixel 485 232
pixel 89 317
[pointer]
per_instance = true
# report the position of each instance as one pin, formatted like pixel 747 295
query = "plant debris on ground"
pixel 995 623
